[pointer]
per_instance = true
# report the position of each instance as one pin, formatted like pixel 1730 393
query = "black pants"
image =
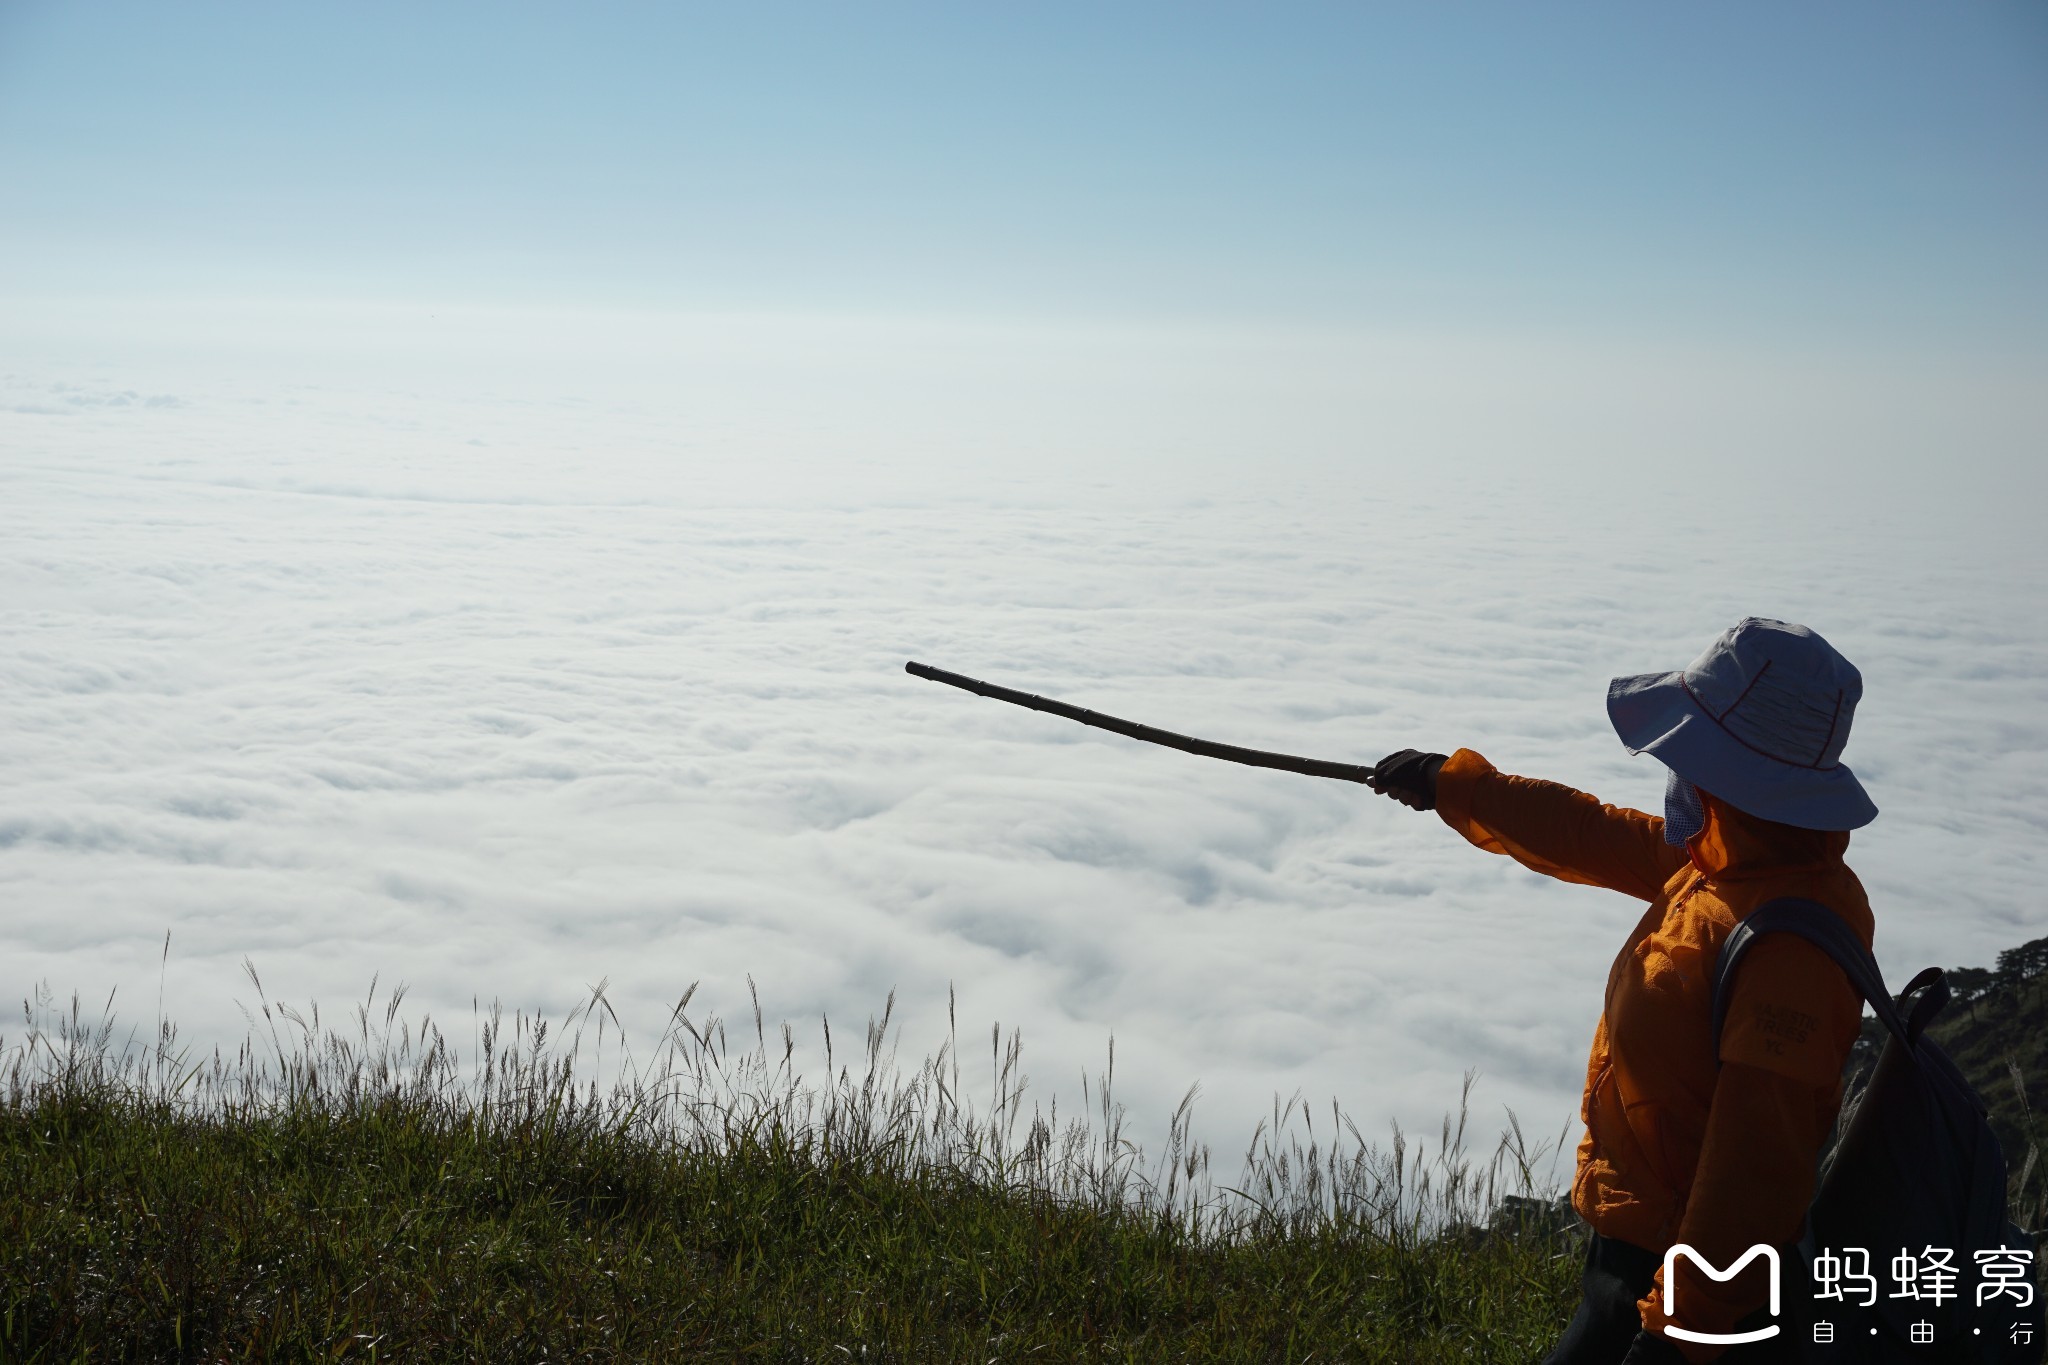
pixel 1617 1275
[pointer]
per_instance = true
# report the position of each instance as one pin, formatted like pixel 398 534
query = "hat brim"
pixel 1654 714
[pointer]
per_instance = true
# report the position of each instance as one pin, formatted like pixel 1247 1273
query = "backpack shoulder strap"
pixel 1824 929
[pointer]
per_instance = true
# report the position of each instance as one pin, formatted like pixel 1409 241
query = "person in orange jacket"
pixel 1687 1142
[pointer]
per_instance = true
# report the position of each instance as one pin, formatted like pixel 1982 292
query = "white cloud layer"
pixel 505 670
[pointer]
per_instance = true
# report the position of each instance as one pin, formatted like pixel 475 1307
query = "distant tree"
pixel 2022 964
pixel 1969 985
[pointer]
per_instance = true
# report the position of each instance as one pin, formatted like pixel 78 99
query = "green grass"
pixel 360 1194
pixel 364 1194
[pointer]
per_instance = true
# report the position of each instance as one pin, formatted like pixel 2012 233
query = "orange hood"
pixel 1735 844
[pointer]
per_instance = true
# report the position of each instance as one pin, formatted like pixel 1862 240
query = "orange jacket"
pixel 1679 1148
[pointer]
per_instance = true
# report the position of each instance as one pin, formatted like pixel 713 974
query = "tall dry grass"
pixel 918 1211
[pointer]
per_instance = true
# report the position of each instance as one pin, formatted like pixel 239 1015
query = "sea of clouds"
pixel 505 655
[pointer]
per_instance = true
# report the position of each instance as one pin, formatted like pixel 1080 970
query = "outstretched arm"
pixel 1554 829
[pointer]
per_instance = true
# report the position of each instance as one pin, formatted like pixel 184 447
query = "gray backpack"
pixel 1914 1165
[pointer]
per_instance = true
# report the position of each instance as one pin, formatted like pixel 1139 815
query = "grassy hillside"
pixel 360 1197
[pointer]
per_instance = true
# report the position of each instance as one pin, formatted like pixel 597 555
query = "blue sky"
pixel 1809 171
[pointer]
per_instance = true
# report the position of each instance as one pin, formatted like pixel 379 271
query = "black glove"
pixel 1651 1349
pixel 1409 776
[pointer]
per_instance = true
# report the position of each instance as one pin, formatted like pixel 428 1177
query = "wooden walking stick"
pixel 1207 748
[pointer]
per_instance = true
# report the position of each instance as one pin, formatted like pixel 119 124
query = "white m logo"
pixel 1769 1253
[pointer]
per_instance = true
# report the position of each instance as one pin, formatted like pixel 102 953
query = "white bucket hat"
pixel 1759 720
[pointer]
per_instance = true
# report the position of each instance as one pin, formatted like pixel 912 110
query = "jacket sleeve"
pixel 1554 829
pixel 1791 1022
